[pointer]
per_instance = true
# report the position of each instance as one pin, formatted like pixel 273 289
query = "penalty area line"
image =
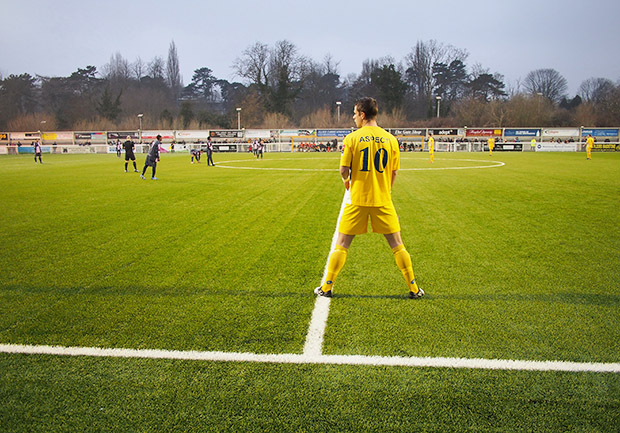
pixel 393 361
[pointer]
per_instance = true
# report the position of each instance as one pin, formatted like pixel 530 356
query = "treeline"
pixel 279 88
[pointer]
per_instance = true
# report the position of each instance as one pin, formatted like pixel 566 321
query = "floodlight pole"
pixel 140 116
pixel 238 118
pixel 338 103
pixel 438 104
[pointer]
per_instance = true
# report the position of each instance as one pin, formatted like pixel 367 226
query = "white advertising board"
pixel 151 135
pixel 257 133
pixel 561 132
pixel 65 136
pixel 556 147
pixel 192 135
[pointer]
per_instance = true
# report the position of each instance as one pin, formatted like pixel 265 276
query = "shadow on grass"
pixel 399 297
pixel 563 298
pixel 150 292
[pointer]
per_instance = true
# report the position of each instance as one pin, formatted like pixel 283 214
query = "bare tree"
pixel 118 70
pixel 419 72
pixel 419 63
pixel 548 82
pixel 595 89
pixel 278 72
pixel 253 64
pixel 138 68
pixel 173 74
pixel 331 66
pixel 156 68
pixel 514 88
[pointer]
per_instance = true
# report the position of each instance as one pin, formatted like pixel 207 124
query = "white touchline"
pixel 284 358
pixel 318 322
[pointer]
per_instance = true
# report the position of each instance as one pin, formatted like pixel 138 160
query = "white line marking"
pixel 494 165
pixel 484 364
pixel 318 322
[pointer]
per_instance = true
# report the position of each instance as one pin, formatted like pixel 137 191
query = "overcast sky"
pixel 580 39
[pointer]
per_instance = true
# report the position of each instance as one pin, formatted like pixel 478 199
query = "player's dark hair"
pixel 368 106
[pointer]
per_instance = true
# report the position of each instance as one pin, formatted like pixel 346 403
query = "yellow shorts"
pixel 383 220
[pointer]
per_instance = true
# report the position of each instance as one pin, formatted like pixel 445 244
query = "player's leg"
pixel 403 261
pixel 144 168
pixel 384 220
pixel 336 262
pixel 354 221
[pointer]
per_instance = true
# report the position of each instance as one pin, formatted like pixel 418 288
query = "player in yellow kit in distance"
pixel 589 146
pixel 368 167
pixel 431 148
pixel 491 145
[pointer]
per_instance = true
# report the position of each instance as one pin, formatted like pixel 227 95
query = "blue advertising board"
pixel 30 149
pixel 522 133
pixel 333 132
pixel 608 132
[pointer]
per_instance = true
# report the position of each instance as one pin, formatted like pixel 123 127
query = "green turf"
pixel 43 393
pixel 519 262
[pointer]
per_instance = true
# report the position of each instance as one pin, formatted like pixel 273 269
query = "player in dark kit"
pixel 37 152
pixel 129 148
pixel 152 157
pixel 195 154
pixel 210 153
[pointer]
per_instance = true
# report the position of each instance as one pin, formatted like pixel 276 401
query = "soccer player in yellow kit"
pixel 431 147
pixel 589 145
pixel 491 145
pixel 368 167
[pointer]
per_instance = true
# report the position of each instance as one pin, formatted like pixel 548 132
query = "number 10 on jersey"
pixel 380 159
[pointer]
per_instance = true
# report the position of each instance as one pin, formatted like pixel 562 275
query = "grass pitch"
pixel 519 261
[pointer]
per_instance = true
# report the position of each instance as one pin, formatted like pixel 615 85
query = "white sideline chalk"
pixel 318 322
pixel 394 361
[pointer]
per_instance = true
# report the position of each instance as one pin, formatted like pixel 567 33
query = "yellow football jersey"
pixel 590 142
pixel 373 155
pixel 431 144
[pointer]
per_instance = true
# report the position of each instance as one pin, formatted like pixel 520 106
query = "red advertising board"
pixel 483 132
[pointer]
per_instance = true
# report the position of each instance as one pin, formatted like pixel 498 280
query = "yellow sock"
pixel 403 260
pixel 335 264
